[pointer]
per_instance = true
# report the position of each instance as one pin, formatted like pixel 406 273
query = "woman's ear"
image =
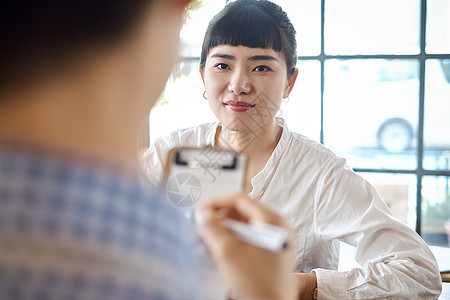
pixel 291 83
pixel 201 74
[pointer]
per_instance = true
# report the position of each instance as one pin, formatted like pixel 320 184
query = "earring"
pixel 205 96
pixel 286 101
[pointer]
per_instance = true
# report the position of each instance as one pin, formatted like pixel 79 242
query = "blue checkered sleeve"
pixel 71 230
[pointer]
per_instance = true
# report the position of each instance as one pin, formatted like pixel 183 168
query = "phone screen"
pixel 198 174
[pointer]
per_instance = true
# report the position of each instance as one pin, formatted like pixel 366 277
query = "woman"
pixel 77 79
pixel 248 66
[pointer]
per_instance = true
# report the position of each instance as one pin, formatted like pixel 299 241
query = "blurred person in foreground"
pixel 247 65
pixel 77 80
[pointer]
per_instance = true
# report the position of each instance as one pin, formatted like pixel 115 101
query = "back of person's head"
pixel 41 36
pixel 254 24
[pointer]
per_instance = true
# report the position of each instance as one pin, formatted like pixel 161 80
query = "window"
pixel 374 86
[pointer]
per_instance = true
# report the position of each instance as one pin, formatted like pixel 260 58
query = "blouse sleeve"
pixel 154 159
pixel 394 260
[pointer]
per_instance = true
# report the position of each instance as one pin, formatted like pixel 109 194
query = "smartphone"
pixel 193 175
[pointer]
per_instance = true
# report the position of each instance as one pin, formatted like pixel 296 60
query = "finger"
pixel 217 237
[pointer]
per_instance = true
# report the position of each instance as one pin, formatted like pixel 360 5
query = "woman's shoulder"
pixel 156 155
pixel 300 145
pixel 189 137
pixel 313 151
pixel 312 146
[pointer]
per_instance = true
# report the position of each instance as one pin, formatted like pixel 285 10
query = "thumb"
pixel 213 232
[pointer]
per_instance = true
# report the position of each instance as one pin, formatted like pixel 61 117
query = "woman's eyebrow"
pixel 251 58
pixel 225 56
pixel 262 57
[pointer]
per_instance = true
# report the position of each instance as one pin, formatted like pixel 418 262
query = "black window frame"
pixel 421 57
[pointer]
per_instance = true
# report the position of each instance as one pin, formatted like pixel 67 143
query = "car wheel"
pixel 395 135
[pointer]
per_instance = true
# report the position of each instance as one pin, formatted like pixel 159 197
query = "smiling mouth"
pixel 238 106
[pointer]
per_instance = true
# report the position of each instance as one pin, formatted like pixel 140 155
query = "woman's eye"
pixel 222 66
pixel 262 69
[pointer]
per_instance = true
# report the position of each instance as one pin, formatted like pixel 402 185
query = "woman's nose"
pixel 239 84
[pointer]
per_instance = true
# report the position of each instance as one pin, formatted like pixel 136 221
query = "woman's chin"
pixel 239 123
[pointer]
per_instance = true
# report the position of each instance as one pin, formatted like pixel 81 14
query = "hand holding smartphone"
pixel 206 175
pixel 196 175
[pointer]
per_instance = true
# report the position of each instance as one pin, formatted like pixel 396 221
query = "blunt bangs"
pixel 252 24
pixel 249 27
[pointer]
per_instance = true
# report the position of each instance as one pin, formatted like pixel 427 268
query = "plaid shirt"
pixel 73 230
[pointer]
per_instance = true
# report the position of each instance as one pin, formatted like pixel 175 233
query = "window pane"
pixel 182 104
pixel 302 112
pixel 193 32
pixel 399 192
pixel 437 115
pixel 372 26
pixel 436 211
pixel 305 16
pixel 438 26
pixel 370 111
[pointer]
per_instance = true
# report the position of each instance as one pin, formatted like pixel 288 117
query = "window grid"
pixel 422 57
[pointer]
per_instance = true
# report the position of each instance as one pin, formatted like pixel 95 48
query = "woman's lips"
pixel 238 106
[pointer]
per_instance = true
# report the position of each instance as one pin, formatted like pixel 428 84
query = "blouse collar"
pixel 261 180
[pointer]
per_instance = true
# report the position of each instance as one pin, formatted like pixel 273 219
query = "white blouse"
pixel 326 202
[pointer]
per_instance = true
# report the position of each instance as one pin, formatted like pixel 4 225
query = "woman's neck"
pixel 250 142
pixel 257 145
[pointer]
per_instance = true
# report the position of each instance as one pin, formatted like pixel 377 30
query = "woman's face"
pixel 245 86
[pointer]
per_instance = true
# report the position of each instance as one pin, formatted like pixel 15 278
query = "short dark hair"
pixel 254 24
pixel 40 34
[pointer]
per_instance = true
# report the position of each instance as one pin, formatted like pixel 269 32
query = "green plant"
pixel 192 7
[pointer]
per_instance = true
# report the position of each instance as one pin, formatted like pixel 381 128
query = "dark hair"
pixel 40 35
pixel 254 24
